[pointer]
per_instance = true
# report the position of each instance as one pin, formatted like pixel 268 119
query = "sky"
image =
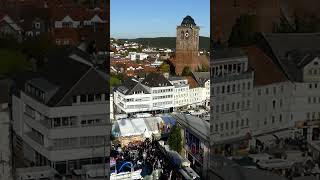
pixel 156 18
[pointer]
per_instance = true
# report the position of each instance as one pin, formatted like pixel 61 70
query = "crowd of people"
pixel 146 156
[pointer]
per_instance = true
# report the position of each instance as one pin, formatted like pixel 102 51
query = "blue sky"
pixel 156 18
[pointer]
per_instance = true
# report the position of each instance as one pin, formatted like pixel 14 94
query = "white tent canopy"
pixel 134 127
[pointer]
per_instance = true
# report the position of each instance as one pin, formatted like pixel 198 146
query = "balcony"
pixel 246 75
pixel 44 128
pixel 34 137
pixel 67 153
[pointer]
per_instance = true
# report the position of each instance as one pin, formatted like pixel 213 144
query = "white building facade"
pixel 231 97
pixel 60 123
pixel 157 94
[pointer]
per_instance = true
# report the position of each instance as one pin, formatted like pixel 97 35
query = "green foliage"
pixel 284 26
pixel 307 23
pixel 115 79
pixel 203 68
pixel 37 47
pixel 175 139
pixel 242 33
pixel 164 68
pixel 13 61
pixel 186 71
pixel 15 55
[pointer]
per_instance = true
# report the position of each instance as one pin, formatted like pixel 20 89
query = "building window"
pixel 259 92
pixel 56 122
pixel 65 121
pixel 249 85
pixel 247 122
pixel 267 91
pixel 90 97
pixel 280 118
pixel 274 104
pixel 97 97
pixel 83 98
pixel 273 119
pixel 274 90
pixel 74 99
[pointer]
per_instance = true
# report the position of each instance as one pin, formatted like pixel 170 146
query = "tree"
pixel 164 67
pixel 115 80
pixel 203 68
pixel 284 26
pixel 186 71
pixel 243 33
pixel 13 61
pixel 175 139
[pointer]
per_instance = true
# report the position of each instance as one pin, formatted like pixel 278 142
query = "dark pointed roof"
pixel 188 20
pixel 68 75
pixel 156 80
pixel 291 51
pixel 131 85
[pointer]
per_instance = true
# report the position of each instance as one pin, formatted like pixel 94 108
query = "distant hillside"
pixel 167 42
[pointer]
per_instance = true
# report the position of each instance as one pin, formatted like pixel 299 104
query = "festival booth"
pixel 137 129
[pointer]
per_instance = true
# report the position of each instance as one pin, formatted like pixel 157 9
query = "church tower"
pixel 187 46
pixel 187 35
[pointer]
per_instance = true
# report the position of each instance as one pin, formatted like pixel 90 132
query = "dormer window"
pixel 74 99
pixel 67 24
pixel 35 92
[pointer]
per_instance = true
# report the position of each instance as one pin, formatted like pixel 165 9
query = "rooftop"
pixel 197 125
pixel 188 20
pixel 71 71
pixel 265 70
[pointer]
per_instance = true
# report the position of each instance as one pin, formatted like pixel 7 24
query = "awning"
pixel 266 138
pixel 284 134
pixel 169 120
